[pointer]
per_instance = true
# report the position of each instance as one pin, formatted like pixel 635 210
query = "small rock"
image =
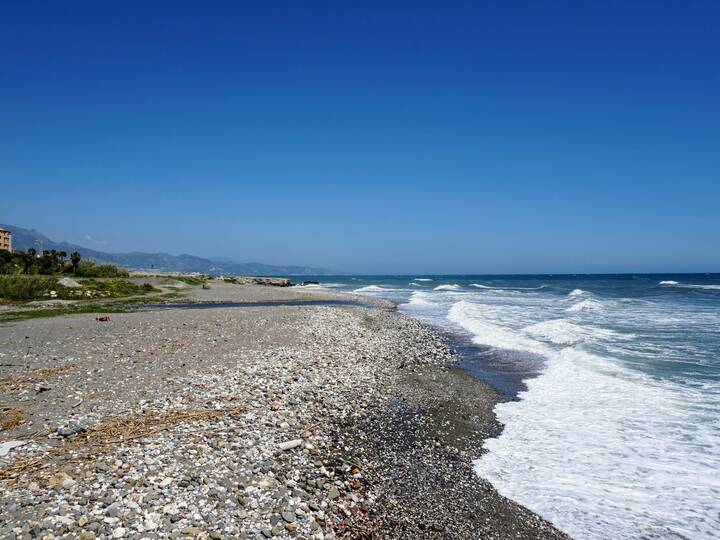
pixel 61 480
pixel 289 445
pixel 288 516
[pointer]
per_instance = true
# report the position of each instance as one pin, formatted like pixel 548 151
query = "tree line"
pixel 52 261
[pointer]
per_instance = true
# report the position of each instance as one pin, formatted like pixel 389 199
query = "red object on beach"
pixel 104 318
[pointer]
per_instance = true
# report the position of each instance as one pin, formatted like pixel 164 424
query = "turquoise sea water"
pixel 615 431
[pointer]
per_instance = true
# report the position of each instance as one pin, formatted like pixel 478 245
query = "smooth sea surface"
pixel 614 429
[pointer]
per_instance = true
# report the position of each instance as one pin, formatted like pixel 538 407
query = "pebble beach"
pixel 276 421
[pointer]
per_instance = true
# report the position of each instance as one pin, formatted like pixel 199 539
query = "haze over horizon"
pixel 371 138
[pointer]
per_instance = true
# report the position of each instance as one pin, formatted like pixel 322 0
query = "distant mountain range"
pixel 163 262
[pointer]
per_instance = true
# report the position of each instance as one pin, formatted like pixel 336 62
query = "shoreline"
pixel 382 425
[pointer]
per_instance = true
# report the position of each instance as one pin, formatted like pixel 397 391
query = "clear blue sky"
pixel 375 137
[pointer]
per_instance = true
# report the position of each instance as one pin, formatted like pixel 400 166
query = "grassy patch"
pixel 19 288
pixel 191 280
pixel 26 287
pixel 114 288
pixel 57 312
pixel 11 418
pixel 91 270
pixel 154 299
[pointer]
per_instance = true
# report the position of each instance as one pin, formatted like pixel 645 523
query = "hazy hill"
pixel 27 238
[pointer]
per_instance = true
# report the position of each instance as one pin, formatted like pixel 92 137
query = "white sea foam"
pixel 422 279
pixel 589 304
pixel 690 285
pixel 577 292
pixel 420 299
pixel 413 284
pixel 601 450
pixel 320 285
pixel 595 445
pixel 565 332
pixel 481 286
pixel 617 458
pixel 374 288
pixel 453 287
pixel 470 317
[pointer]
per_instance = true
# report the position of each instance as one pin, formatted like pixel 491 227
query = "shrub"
pixel 26 287
pixel 115 288
pixel 91 270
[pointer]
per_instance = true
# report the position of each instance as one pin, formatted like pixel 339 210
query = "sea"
pixel 611 388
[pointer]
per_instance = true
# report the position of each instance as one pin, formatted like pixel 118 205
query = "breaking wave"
pixel 586 305
pixel 480 286
pixel 577 292
pixel 690 285
pixel 374 288
pixel 453 287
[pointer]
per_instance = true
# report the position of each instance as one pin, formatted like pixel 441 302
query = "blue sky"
pixel 375 137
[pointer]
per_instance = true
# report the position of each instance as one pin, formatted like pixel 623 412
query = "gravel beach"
pixel 252 422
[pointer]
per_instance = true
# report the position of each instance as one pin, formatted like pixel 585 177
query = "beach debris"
pixel 70 430
pixel 40 388
pixel 104 318
pixel 9 445
pixel 62 480
pixel 69 282
pixel 289 445
pixel 10 418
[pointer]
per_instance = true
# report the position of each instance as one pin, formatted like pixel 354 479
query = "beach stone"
pixel 289 445
pixel 288 516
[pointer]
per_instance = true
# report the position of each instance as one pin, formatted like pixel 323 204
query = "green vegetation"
pixel 116 287
pixel 230 280
pixel 57 312
pixel 54 262
pixel 25 288
pixel 191 280
pixel 16 287
pixel 163 298
pixel 91 270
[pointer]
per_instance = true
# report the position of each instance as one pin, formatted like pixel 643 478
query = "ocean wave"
pixel 690 285
pixel 592 407
pixel 419 299
pixel 480 286
pixel 471 318
pixel 320 285
pixel 413 284
pixel 453 287
pixel 577 292
pixel 564 332
pixel 374 288
pixel 422 279
pixel 586 305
